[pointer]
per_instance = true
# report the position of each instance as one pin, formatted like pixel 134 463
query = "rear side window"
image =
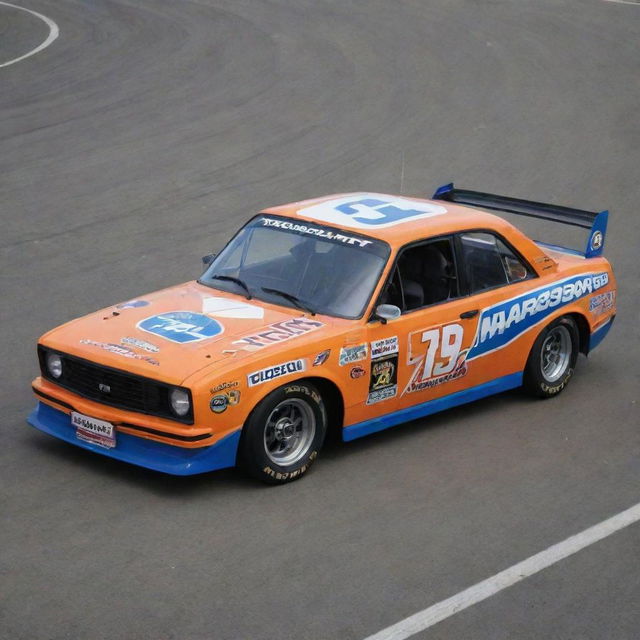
pixel 489 262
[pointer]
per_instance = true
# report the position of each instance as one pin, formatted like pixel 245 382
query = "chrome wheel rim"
pixel 289 432
pixel 556 353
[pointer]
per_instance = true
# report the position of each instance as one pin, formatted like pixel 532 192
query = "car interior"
pixel 488 262
pixel 424 274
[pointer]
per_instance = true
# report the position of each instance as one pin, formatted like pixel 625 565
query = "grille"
pixel 113 387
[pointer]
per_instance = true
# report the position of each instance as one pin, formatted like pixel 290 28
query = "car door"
pixel 429 351
pixel 445 351
pixel 413 356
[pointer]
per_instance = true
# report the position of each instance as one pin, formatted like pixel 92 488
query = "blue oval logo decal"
pixel 181 326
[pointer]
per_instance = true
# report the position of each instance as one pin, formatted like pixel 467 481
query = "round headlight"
pixel 179 400
pixel 54 364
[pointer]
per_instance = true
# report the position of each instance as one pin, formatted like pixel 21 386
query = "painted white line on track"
pixel 489 587
pixel 636 2
pixel 54 32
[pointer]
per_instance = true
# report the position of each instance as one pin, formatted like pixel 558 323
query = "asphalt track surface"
pixel 141 139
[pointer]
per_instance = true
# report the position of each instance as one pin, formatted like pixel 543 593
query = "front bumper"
pixel 143 452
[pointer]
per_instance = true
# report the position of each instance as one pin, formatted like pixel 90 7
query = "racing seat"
pixel 436 275
pixel 409 269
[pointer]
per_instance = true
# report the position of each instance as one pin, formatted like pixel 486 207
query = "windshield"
pixel 297 264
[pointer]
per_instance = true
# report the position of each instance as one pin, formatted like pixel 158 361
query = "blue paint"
pixel 599 334
pixel 498 385
pixel 143 452
pixel 598 231
pixel 442 190
pixel 182 326
pixel 502 323
pixel 389 213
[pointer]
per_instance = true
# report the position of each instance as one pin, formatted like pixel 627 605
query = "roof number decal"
pixel 366 211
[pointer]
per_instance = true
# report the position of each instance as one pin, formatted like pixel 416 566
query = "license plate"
pixel 93 430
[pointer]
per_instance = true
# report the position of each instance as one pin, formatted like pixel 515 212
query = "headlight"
pixel 54 364
pixel 179 400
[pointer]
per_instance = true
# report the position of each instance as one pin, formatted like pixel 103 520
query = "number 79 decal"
pixel 437 357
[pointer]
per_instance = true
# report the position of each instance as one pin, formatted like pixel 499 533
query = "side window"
pixel 489 263
pixel 424 275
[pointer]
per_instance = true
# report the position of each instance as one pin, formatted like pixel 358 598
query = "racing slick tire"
pixel 552 359
pixel 284 434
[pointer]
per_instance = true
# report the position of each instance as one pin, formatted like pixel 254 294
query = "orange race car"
pixel 355 312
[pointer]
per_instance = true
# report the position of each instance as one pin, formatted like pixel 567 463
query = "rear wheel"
pixel 552 359
pixel 283 435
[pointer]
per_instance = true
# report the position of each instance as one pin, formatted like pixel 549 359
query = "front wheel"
pixel 283 435
pixel 552 359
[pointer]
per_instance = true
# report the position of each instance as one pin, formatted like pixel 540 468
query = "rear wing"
pixel 595 221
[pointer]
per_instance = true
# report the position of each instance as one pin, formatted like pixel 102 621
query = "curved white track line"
pixel 54 32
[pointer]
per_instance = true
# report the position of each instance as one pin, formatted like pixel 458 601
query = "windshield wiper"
pixel 291 298
pixel 237 281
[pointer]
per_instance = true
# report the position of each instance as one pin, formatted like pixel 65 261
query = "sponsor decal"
pixel 277 371
pixel 383 383
pixel 353 354
pixel 382 394
pixel 596 240
pixel 141 344
pixel 384 347
pixel 226 308
pixel 356 372
pixel 181 326
pixel 436 356
pixel 223 385
pixel 315 231
pixel 133 304
pixel 220 402
pixel 602 302
pixel 371 210
pixel 321 358
pixel 502 323
pixel 417 384
pixel 279 332
pixel 119 350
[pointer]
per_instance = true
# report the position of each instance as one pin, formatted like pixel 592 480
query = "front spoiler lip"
pixel 141 451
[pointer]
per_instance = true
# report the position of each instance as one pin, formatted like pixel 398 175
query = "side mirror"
pixel 208 259
pixel 386 312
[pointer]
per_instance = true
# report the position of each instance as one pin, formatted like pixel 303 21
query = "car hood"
pixel 171 334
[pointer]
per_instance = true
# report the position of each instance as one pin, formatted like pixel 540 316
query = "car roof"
pixel 382 216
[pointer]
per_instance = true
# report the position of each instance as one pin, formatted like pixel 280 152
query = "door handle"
pixel 469 314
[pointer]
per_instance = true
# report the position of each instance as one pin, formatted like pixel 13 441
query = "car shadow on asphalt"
pixel 116 471
pixel 336 449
